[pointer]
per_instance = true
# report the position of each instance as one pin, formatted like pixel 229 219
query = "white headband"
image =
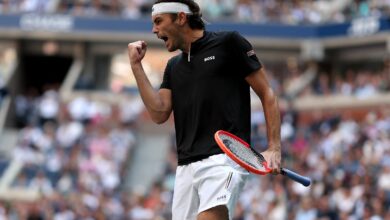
pixel 170 7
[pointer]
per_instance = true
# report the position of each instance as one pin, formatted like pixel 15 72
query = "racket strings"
pixel 244 153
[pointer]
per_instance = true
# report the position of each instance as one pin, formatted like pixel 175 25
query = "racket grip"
pixel 306 181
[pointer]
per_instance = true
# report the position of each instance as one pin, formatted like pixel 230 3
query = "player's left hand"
pixel 273 158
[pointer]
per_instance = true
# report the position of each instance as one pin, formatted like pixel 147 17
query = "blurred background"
pixel 76 142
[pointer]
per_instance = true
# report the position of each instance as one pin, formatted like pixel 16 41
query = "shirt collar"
pixel 196 45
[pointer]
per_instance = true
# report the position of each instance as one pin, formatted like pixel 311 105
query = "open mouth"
pixel 164 38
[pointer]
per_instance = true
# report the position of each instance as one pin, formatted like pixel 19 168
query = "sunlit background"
pixel 76 142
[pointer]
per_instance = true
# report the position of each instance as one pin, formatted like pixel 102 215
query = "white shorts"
pixel 216 180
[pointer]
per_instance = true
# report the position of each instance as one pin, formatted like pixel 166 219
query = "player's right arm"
pixel 158 104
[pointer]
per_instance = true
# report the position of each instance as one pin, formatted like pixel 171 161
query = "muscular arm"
pixel 158 104
pixel 259 83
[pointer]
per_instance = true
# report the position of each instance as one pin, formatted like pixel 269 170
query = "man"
pixel 207 87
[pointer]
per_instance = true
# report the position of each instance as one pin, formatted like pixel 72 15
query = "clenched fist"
pixel 136 51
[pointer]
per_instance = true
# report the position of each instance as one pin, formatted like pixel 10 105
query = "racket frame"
pixel 306 181
pixel 227 151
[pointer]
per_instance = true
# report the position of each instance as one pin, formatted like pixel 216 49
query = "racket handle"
pixel 306 181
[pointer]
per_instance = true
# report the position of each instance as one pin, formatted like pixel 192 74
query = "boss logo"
pixel 223 197
pixel 209 58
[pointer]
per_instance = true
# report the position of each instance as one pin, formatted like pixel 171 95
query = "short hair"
pixel 195 20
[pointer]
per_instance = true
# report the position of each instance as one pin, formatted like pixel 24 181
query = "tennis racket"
pixel 240 151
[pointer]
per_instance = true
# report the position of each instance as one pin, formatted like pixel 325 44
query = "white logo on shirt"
pixel 209 58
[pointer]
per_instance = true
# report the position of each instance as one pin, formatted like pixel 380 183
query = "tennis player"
pixel 207 86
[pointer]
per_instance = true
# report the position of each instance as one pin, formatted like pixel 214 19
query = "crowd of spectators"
pixel 298 80
pixel 7 57
pixel 347 158
pixel 253 11
pixel 75 154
